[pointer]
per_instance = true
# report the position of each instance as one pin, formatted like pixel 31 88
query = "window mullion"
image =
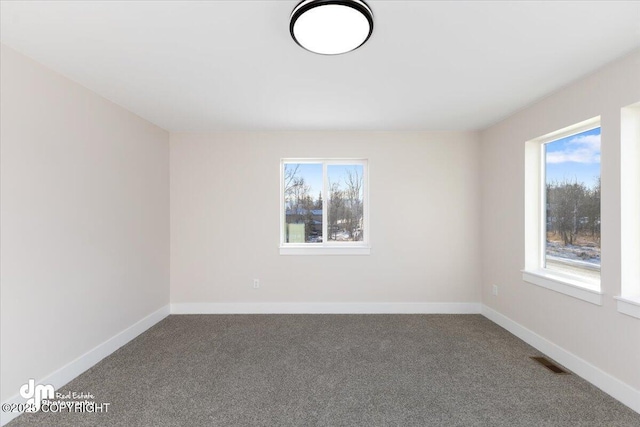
pixel 543 207
pixel 325 203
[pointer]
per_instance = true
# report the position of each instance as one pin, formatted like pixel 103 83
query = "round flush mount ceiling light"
pixel 331 27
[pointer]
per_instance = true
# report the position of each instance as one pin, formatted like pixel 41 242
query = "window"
pixel 629 299
pixel 562 219
pixel 324 207
pixel 572 200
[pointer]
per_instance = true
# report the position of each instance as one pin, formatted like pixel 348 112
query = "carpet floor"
pixel 332 370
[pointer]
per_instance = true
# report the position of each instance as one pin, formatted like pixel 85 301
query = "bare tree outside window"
pixel 573 204
pixel 303 212
pixel 345 204
pixel 324 202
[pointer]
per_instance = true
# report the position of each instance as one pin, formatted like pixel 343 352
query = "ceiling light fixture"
pixel 331 27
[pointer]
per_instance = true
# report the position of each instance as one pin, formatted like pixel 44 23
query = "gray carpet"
pixel 333 370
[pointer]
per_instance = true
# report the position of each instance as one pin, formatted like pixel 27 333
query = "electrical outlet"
pixel 494 291
pixel 256 283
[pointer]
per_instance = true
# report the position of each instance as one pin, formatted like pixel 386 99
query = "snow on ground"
pixel 342 236
pixel 574 252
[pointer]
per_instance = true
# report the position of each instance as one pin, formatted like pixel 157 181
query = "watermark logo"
pixel 45 398
pixel 35 394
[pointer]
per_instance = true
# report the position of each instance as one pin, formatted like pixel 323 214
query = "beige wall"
pixel 424 206
pixel 598 334
pixel 85 205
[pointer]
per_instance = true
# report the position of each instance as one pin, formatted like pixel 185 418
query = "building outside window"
pixel 324 205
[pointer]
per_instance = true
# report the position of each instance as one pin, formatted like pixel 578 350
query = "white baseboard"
pixel 76 367
pixel 328 308
pixel 607 383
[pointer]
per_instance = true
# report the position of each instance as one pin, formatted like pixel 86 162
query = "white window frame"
pixel 327 247
pixel 629 300
pixel 534 272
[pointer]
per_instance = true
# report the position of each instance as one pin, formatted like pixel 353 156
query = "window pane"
pixel 303 202
pixel 345 202
pixel 573 204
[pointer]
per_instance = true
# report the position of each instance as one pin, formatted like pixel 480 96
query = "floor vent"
pixel 549 365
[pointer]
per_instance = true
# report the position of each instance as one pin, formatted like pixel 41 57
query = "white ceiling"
pixel 231 65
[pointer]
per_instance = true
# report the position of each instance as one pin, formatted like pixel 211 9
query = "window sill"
pixel 325 250
pixel 629 305
pixel 588 291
